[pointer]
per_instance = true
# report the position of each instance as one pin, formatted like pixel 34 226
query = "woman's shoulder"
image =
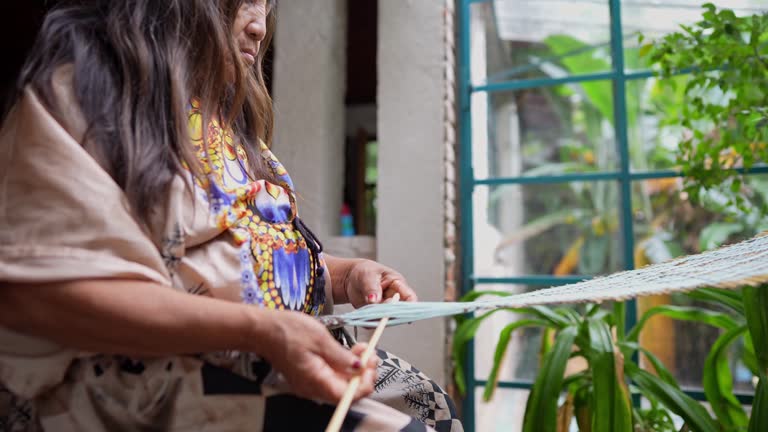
pixel 56 103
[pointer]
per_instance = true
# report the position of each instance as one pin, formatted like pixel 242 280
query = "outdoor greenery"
pixel 599 397
pixel 725 113
pixel 706 115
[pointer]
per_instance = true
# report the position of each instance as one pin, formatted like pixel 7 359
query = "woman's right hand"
pixel 313 363
pixel 149 320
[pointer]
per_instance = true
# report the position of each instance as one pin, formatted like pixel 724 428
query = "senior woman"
pixel 154 271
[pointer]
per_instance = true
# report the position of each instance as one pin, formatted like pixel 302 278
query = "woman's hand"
pixel 311 361
pixel 362 282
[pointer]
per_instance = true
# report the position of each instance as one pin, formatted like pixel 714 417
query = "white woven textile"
pixel 733 266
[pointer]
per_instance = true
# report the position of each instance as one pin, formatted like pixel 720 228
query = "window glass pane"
pixel 653 144
pixel 521 39
pixel 654 19
pixel 668 225
pixel 504 413
pixel 683 346
pixel 548 229
pixel 544 131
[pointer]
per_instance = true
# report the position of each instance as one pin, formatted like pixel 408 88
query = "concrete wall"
pixel 411 117
pixel 309 81
pixel 415 123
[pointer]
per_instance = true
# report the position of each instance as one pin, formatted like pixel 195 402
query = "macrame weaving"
pixel 733 266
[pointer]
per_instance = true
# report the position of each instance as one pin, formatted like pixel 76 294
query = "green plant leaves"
pixel 723 297
pixel 599 397
pixel 541 409
pixel 724 97
pixel 465 332
pixel 704 316
pixel 501 348
pixel 599 93
pixel 658 366
pixel 612 411
pixel 718 382
pixel 694 414
pixel 715 234
pixel 476 294
pixel 759 420
pixel 748 356
pixel 756 311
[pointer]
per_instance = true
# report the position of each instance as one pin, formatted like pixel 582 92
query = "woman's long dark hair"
pixel 137 64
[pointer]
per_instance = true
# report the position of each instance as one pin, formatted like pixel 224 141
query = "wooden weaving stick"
pixel 346 400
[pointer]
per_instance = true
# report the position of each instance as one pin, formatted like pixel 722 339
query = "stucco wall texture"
pixel 416 120
pixel 308 90
pixel 412 114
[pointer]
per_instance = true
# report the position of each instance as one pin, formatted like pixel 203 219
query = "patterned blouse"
pixel 281 265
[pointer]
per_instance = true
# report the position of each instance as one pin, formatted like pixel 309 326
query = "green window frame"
pixel 624 176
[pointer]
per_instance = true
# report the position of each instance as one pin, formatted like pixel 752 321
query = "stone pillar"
pixel 308 90
pixel 411 186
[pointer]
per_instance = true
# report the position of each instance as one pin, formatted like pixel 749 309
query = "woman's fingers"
pixel 341 359
pixel 400 286
pixel 318 367
pixel 358 349
pixel 330 385
pixel 367 380
pixel 372 289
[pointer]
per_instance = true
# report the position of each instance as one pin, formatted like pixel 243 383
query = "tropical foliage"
pixel 725 109
pixel 711 123
pixel 599 396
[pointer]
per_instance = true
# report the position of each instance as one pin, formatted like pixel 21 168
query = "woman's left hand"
pixel 362 282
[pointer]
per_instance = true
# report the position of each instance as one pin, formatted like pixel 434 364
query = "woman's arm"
pixel 143 319
pixel 362 282
pixel 130 318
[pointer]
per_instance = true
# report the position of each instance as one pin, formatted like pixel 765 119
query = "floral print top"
pixel 279 269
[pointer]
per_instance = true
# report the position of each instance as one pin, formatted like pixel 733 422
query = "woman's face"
pixel 250 28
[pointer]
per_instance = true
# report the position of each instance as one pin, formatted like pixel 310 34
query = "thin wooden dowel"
pixel 346 400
